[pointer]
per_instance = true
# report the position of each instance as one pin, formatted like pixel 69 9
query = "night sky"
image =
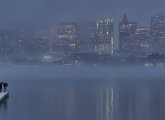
pixel 47 12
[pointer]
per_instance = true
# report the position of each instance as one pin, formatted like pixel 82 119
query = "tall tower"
pixel 105 36
pixel 126 30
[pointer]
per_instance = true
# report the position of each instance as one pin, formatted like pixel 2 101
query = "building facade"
pixel 126 32
pixel 67 37
pixel 134 40
pixel 104 40
pixel 158 33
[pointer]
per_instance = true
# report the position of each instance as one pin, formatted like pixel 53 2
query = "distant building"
pixel 29 43
pixel 158 33
pixel 19 41
pixel 67 37
pixel 6 46
pixel 87 38
pixel 104 43
pixel 142 41
pixel 134 41
pixel 126 31
pixel 99 37
pixel 82 37
pixel 41 42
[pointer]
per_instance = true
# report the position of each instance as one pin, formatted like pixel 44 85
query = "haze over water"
pixel 77 95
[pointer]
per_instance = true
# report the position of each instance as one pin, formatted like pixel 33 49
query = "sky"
pixel 47 12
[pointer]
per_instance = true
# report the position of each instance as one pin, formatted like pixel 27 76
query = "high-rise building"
pixel 158 33
pixel 6 48
pixel 104 36
pixel 97 37
pixel 19 36
pixel 134 41
pixel 88 44
pixel 126 31
pixel 41 41
pixel 84 31
pixel 67 36
pixel 141 40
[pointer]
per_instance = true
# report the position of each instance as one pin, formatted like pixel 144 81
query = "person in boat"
pixel 5 86
pixel 1 84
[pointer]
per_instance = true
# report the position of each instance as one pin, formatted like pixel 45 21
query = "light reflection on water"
pixel 84 100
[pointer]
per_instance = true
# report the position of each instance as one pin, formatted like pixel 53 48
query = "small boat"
pixel 3 96
pixel 3 93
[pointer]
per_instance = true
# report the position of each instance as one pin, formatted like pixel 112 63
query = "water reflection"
pixel 86 101
pixel 105 104
pixel 4 104
pixel 134 102
pixel 65 103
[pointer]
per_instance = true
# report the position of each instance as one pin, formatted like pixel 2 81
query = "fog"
pixel 83 73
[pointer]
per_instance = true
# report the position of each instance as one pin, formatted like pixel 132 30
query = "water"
pixel 83 98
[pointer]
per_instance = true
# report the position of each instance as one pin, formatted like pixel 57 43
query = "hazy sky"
pixel 55 11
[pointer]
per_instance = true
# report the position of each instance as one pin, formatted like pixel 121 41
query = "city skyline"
pixel 91 41
pixel 54 26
